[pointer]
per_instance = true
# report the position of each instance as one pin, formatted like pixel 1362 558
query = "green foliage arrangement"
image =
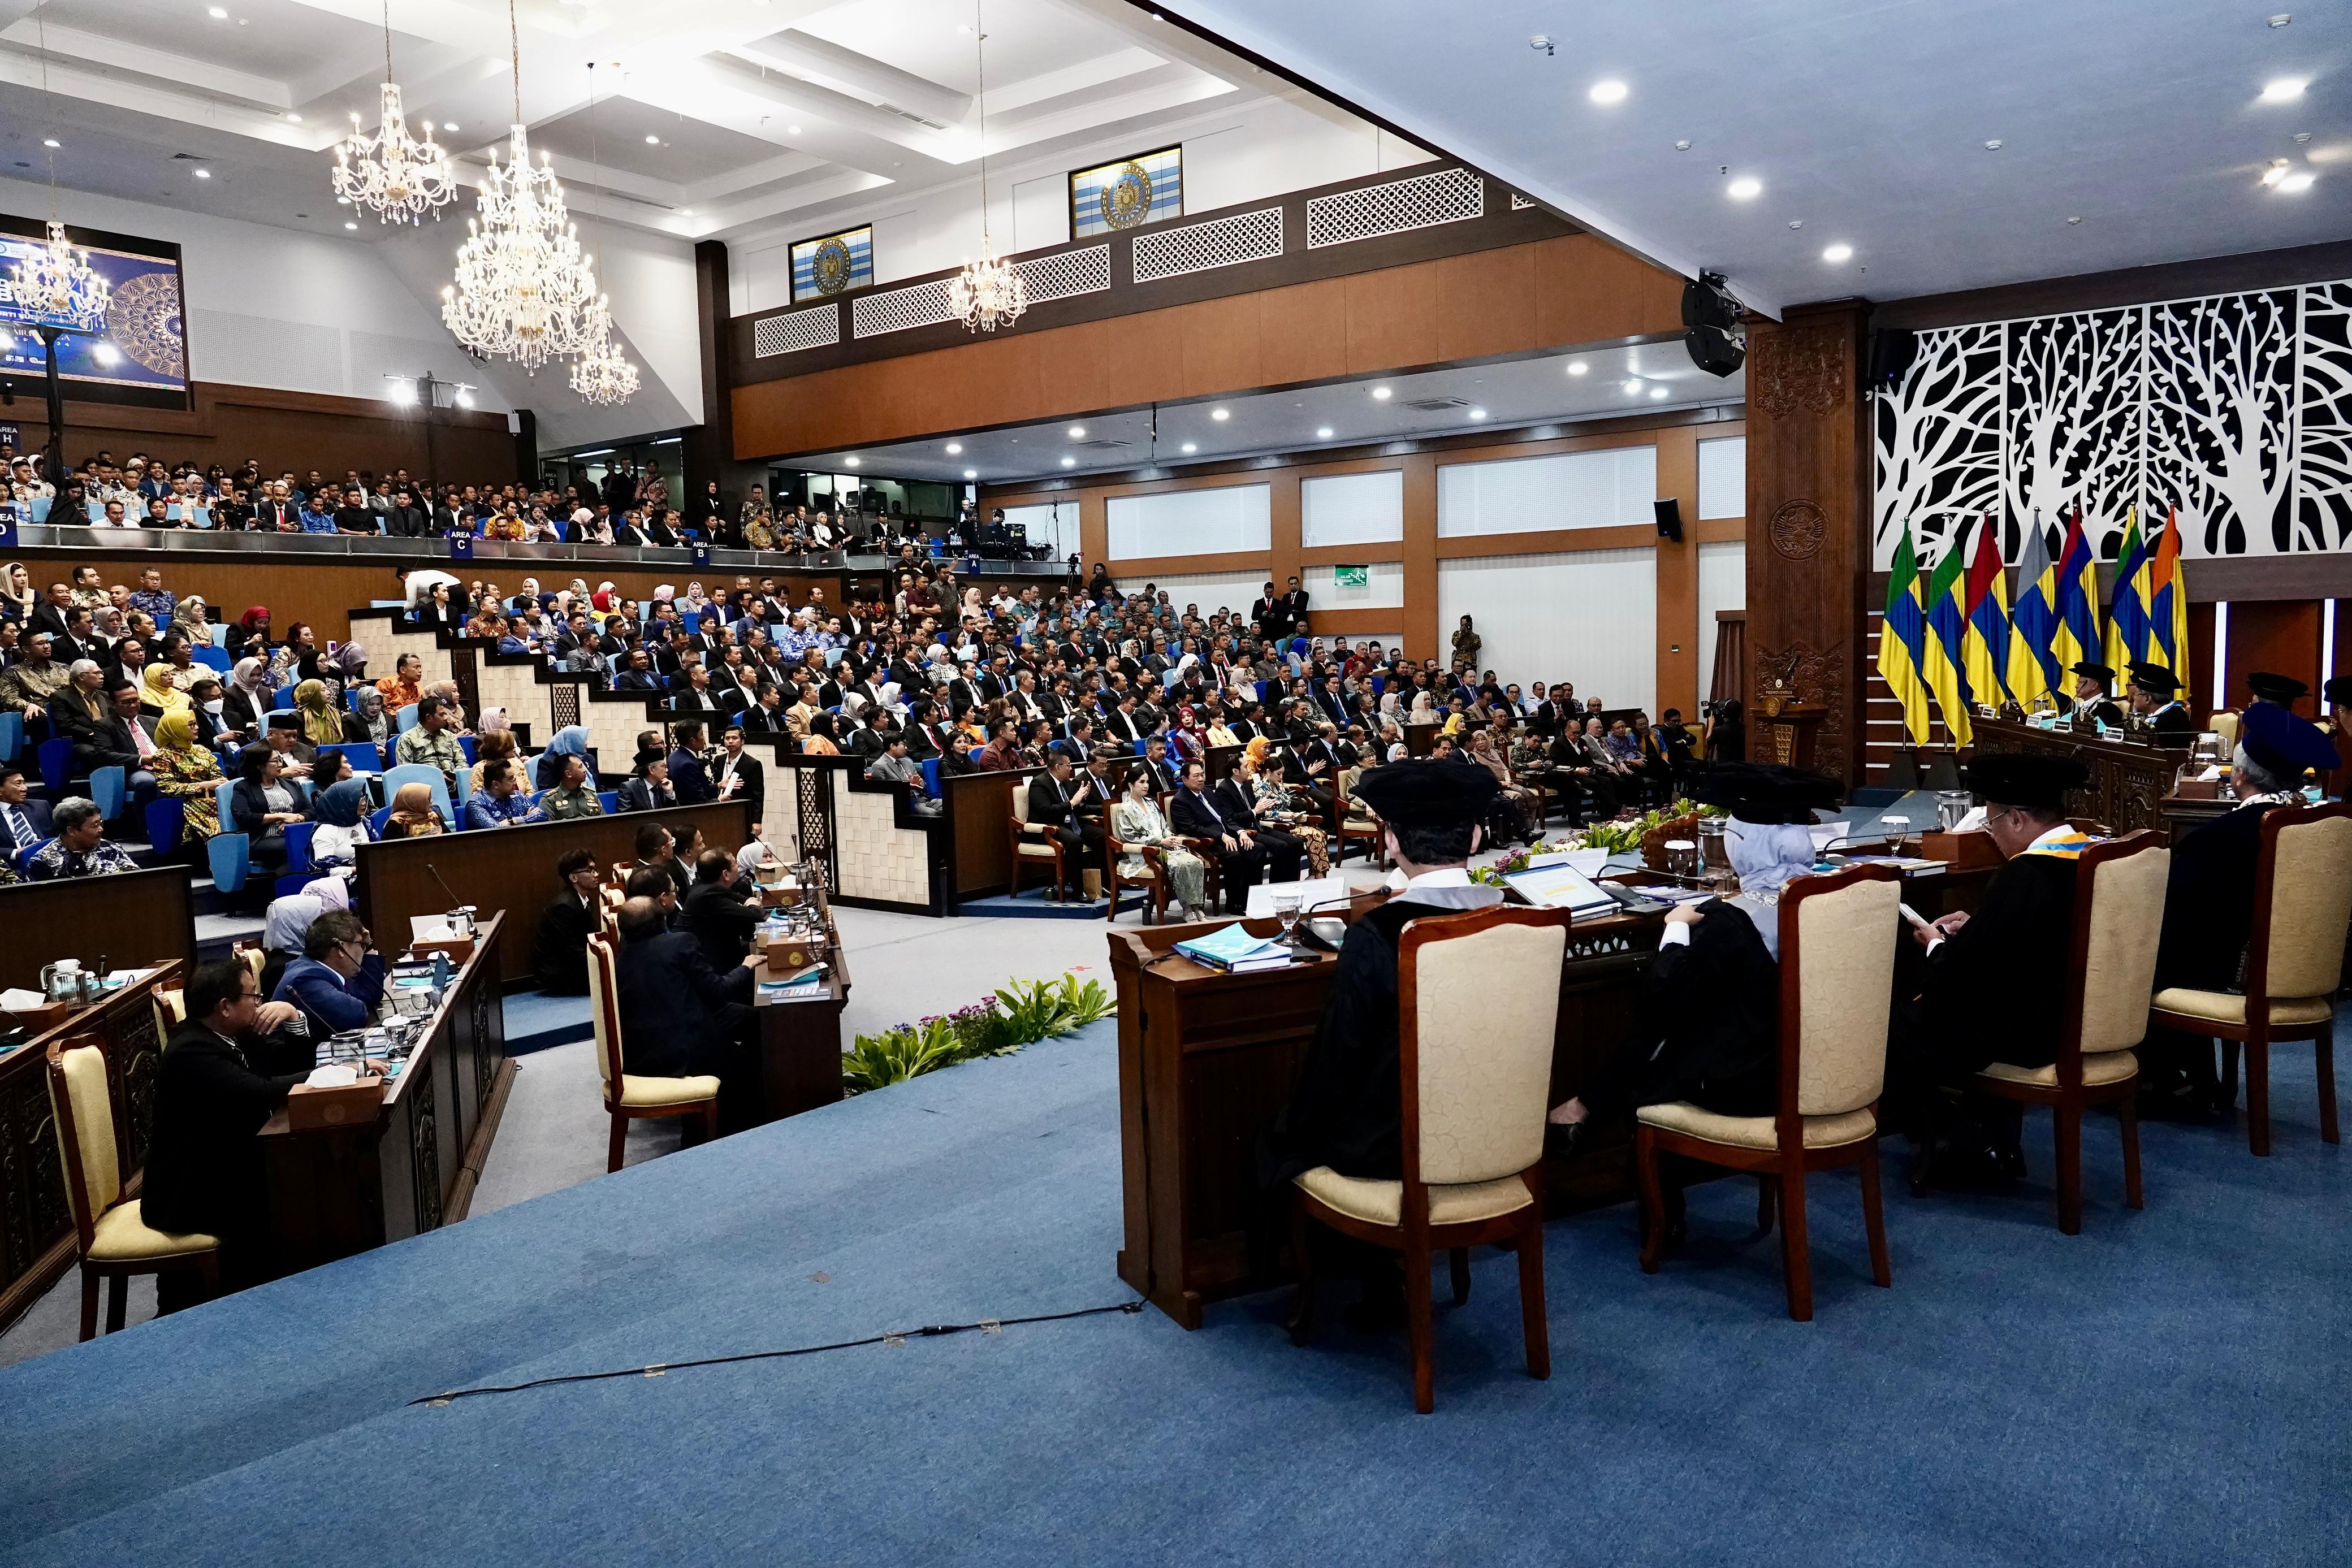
pixel 1017 1014
pixel 1619 838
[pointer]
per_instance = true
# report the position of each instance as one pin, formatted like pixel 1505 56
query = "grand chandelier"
pixel 391 173
pixel 523 291
pixel 989 292
pixel 57 281
pixel 602 375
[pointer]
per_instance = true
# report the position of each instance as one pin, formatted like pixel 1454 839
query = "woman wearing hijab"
pixel 245 706
pixel 347 665
pixel 162 687
pixel 572 740
pixel 192 620
pixel 369 722
pixel 17 595
pixel 187 773
pixel 249 633
pixel 1712 991
pixel 321 725
pixel 284 929
pixel 413 814
pixel 343 822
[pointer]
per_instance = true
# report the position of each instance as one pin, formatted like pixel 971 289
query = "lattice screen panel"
pixel 816 329
pixel 1070 272
pixel 899 309
pixel 1201 247
pixel 1519 204
pixel 1424 201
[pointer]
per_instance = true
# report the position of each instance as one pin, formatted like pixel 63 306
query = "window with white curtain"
pixel 1605 489
pixel 1586 616
pixel 1351 509
pixel 1723 477
pixel 1722 585
pixel 1192 522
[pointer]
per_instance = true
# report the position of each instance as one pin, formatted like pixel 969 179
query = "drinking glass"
pixel 1286 911
pixel 1897 829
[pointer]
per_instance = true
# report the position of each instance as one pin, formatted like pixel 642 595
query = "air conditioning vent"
pixel 1438 404
pixel 1102 443
pixel 888 107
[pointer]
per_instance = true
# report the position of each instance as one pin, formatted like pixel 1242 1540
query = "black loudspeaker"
pixel 1670 518
pixel 1891 353
pixel 1716 342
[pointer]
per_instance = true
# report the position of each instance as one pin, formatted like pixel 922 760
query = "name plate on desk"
pixel 793 954
pixel 350 1104
pixel 1962 851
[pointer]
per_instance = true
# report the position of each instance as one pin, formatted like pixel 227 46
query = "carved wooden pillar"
pixel 1809 528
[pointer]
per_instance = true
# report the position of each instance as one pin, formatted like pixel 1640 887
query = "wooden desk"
pixel 2128 781
pixel 512 870
pixel 339 1190
pixel 1206 1060
pixel 137 917
pixel 37 1229
pixel 973 810
pixel 800 1043
pixel 2184 817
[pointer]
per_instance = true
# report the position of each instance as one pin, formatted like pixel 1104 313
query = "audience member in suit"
pixel 1054 806
pixel 722 910
pixel 682 1018
pixel 688 778
pixel 1197 813
pixel 339 980
pixel 1283 852
pixel 560 951
pixel 223 1073
pixel 737 775
pixel 263 805
pixel 649 791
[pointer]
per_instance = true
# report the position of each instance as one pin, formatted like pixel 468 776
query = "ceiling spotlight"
pixel 217 13
pixel 464 397
pixel 792 131
pixel 1607 92
pixel 1576 366
pixel 1221 416
pixel 2073 220
pixel 971 473
pixel 1745 189
pixel 1323 433
pixel 955 448
pixel 2286 89
pixel 1380 394
pixel 2299 181
pixel 404 391
pixel 1837 252
pixel 1633 389
pixel 850 462
pixel 351 225
pixel 2275 172
pixel 653 141
pixel 1191 447
pixel 2281 19
pixel 294 119
pixel 204 174
pixel 51 141
pixel 1078 432
pixel 1069 463
pixel 449 125
pixel 1477 414
pixel 1657 392
pixel 1683 146
pixel 1993 145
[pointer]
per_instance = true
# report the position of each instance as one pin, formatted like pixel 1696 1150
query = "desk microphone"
pixel 454 902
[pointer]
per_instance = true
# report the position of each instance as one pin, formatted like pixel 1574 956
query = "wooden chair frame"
pixel 1783 1167
pixel 117 1274
pixel 615 1079
pixel 1418 1239
pixel 2257 1033
pixel 2067 1099
pixel 1342 835
pixel 1156 883
pixel 1017 833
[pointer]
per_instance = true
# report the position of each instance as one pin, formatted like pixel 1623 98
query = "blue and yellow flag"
pixel 2127 639
pixel 2168 604
pixel 1902 641
pixel 2076 639
pixel 2034 670
pixel 1946 625
pixel 1985 640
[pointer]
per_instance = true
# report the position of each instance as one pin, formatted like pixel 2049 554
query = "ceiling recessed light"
pixel 1656 393
pixel 653 141
pixel 2281 19
pixel 1796 222
pixel 1634 388
pixel 1683 146
pixel 1607 92
pixel 351 225
pixel 1323 433
pixel 1477 414
pixel 1219 414
pixel 1837 252
pixel 792 131
pixel 1576 366
pixel 2299 181
pixel 2275 172
pixel 1745 189
pixel 2073 220
pixel 1078 432
pixel 217 13
pixel 2285 89
pixel 1993 145
pixel 955 448
pixel 449 125
pixel 1380 394
pixel 1192 446
pixel 293 119
pixel 851 462
pixel 204 174
pixel 1069 463
pixel 51 141
pixel 971 473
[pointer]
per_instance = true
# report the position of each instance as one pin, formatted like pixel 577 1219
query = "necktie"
pixel 20 830
pixel 139 738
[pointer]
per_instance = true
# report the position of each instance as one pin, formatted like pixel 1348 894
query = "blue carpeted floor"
pixel 2167 1388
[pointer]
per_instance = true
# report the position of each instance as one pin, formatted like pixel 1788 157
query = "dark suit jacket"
pixel 1051 803
pixel 560 951
pixel 637 795
pixel 754 776
pixel 1191 816
pixel 2208 902
pixel 674 1006
pixel 204 1163
pixel 722 919
pixel 688 780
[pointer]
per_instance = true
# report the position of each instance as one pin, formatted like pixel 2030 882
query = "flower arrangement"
pixel 997 1025
pixel 1623 837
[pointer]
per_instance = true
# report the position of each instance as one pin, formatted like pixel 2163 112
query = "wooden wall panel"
pixel 301 431
pixel 1677 573
pixel 1548 294
pixel 2278 635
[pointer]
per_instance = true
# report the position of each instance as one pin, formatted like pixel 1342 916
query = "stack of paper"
pixel 1234 951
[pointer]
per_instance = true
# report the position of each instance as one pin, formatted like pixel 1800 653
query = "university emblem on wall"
pixel 831 266
pixel 1126 200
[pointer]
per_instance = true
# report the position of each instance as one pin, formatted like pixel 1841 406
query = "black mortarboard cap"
pixel 1428 794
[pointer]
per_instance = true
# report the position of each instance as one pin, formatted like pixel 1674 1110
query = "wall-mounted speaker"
pixel 1892 351
pixel 1670 518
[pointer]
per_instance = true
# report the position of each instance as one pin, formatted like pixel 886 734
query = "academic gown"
pixel 1995 989
pixel 1346 1111
pixel 2209 901
pixel 1711 1010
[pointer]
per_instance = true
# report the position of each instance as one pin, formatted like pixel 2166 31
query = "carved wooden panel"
pixel 424 1152
pixel 1797 368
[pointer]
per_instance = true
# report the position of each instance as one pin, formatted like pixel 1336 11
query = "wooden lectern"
pixel 1789 727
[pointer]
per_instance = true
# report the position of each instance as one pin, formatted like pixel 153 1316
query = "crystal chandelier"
pixel 391 173
pixel 55 280
pixel 988 293
pixel 602 375
pixel 523 291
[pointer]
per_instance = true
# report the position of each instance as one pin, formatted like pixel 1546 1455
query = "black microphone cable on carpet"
pixel 899 1337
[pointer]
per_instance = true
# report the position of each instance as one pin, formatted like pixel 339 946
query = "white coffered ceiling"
pixel 714 117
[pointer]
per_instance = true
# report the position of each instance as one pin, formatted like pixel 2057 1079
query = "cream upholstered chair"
pixel 1837 983
pixel 2224 723
pixel 629 1096
pixel 115 1242
pixel 1478 1002
pixel 2294 962
pixel 2111 963
pixel 1355 824
pixel 1033 848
